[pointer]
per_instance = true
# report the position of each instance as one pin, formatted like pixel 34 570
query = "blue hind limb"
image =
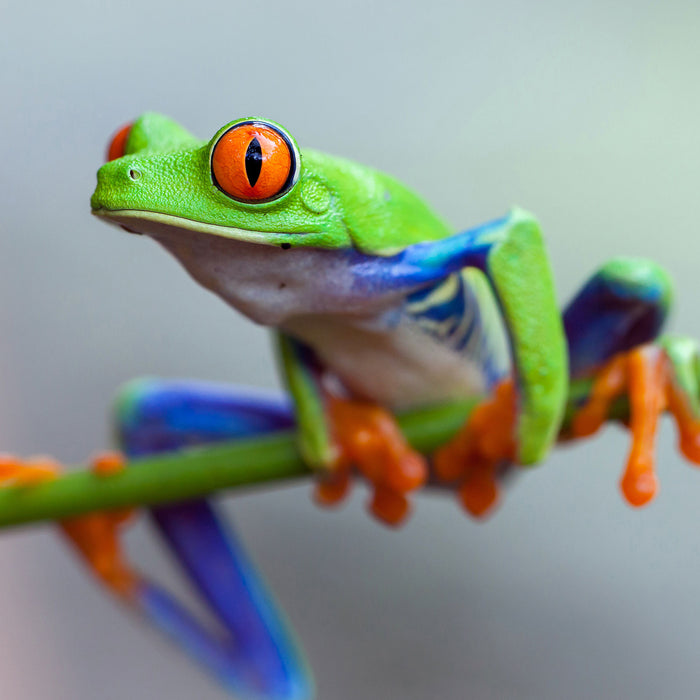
pixel 257 658
pixel 623 305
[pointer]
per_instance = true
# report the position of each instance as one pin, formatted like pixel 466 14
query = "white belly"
pixel 399 368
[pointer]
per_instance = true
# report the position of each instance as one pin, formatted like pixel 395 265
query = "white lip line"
pixel 239 234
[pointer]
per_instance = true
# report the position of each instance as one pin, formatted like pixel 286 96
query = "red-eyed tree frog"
pixel 377 306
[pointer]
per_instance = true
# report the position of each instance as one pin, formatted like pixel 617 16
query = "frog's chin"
pixel 270 283
pixel 155 224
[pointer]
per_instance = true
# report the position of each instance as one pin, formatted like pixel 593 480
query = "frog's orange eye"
pixel 117 146
pixel 254 161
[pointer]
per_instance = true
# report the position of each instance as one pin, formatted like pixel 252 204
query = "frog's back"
pixel 381 214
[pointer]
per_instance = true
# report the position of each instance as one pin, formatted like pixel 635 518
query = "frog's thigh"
pixel 624 304
pixel 154 415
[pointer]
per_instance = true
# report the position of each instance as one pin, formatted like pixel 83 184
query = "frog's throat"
pixel 155 223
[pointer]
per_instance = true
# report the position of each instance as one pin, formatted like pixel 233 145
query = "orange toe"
pixel 406 472
pixel 370 440
pixel 644 375
pixel 104 465
pixel 30 472
pixel 331 489
pixel 96 536
pixel 388 506
pixel 472 458
pixel 479 493
pixel 639 488
pixel 648 377
pixel 450 463
pixel 689 445
pixel 610 382
pixel 108 463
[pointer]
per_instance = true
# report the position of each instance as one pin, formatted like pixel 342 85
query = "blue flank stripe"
pixel 449 312
pixel 455 321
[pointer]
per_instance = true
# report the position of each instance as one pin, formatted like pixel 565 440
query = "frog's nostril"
pixel 134 174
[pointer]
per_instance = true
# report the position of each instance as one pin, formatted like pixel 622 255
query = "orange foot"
pixel 369 439
pixel 645 374
pixel 473 457
pixel 31 472
pixel 96 536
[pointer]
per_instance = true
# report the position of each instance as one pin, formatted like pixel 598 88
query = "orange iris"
pixel 252 162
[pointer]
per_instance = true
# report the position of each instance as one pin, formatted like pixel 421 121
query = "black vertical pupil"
pixel 253 161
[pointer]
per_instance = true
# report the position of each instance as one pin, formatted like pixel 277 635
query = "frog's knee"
pixel 638 279
pixel 128 405
pixel 624 304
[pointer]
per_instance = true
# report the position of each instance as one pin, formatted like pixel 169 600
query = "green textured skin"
pixel 336 203
pixel 534 324
pixel 155 132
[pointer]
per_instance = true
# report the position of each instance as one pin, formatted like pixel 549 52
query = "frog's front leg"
pixel 257 656
pixel 337 433
pixel 95 535
pixel 521 419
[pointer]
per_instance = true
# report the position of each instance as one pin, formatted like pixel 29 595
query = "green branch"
pixel 200 471
pixel 197 472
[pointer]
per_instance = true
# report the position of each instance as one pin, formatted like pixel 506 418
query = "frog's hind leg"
pixel 256 657
pixel 608 325
pixel 622 306
pixel 613 328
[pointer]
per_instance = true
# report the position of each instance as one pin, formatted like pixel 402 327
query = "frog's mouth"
pixel 159 225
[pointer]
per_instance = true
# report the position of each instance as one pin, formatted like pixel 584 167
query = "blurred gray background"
pixel 586 113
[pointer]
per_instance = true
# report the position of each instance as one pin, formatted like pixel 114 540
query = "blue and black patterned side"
pixel 456 313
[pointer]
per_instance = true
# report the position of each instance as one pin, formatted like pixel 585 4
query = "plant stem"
pixel 196 472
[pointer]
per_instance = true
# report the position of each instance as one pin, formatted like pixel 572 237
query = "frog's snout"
pixel 116 191
pixel 116 186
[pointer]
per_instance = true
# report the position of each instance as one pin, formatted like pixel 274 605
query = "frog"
pixel 376 306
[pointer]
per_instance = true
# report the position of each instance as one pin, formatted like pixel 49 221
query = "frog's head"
pixel 230 208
